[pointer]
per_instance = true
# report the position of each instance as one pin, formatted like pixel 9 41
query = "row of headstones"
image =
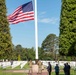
pixel 12 64
pixel 60 63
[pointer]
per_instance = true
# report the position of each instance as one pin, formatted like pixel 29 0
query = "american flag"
pixel 22 13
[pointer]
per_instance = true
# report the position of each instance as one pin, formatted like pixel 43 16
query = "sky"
pixel 48 15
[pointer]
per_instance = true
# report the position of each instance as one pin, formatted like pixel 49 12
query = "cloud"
pixel 42 13
pixel 44 18
pixel 48 20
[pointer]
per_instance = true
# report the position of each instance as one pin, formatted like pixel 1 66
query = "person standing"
pixel 49 68
pixel 30 63
pixel 65 69
pixel 56 69
pixel 68 68
pixel 40 66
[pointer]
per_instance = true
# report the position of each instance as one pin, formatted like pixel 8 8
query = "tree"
pixel 41 53
pixel 24 54
pixel 68 28
pixel 5 37
pixel 51 43
pixel 19 51
pixel 31 53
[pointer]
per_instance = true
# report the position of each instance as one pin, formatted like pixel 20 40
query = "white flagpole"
pixel 36 29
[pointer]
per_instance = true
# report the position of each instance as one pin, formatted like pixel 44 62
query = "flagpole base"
pixel 36 61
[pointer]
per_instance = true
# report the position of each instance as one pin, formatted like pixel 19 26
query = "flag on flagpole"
pixel 22 13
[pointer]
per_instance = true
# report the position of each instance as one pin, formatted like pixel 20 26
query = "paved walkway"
pixel 44 72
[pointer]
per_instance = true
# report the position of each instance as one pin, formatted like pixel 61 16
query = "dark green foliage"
pixel 50 45
pixel 24 53
pixel 29 53
pixel 5 38
pixel 41 53
pixel 68 28
pixel 50 42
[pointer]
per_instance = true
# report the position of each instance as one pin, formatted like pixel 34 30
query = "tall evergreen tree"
pixel 5 37
pixel 50 44
pixel 68 28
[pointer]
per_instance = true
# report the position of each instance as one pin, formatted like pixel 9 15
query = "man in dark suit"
pixel 49 68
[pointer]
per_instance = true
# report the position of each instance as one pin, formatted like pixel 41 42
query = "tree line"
pixel 49 50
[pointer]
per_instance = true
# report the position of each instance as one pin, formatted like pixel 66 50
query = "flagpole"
pixel 36 29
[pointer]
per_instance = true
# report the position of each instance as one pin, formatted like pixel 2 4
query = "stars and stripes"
pixel 22 13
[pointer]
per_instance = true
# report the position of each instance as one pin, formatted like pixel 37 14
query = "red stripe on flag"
pixel 21 14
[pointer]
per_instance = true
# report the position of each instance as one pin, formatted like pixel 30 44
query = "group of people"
pixel 66 69
pixel 37 63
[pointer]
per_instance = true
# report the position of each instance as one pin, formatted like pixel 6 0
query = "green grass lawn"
pixel 10 73
pixel 3 72
pixel 26 66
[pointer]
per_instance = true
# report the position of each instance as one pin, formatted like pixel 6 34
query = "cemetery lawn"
pixel 3 72
pixel 10 73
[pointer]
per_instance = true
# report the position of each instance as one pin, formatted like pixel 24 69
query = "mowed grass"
pixel 26 66
pixel 3 72
pixel 11 73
